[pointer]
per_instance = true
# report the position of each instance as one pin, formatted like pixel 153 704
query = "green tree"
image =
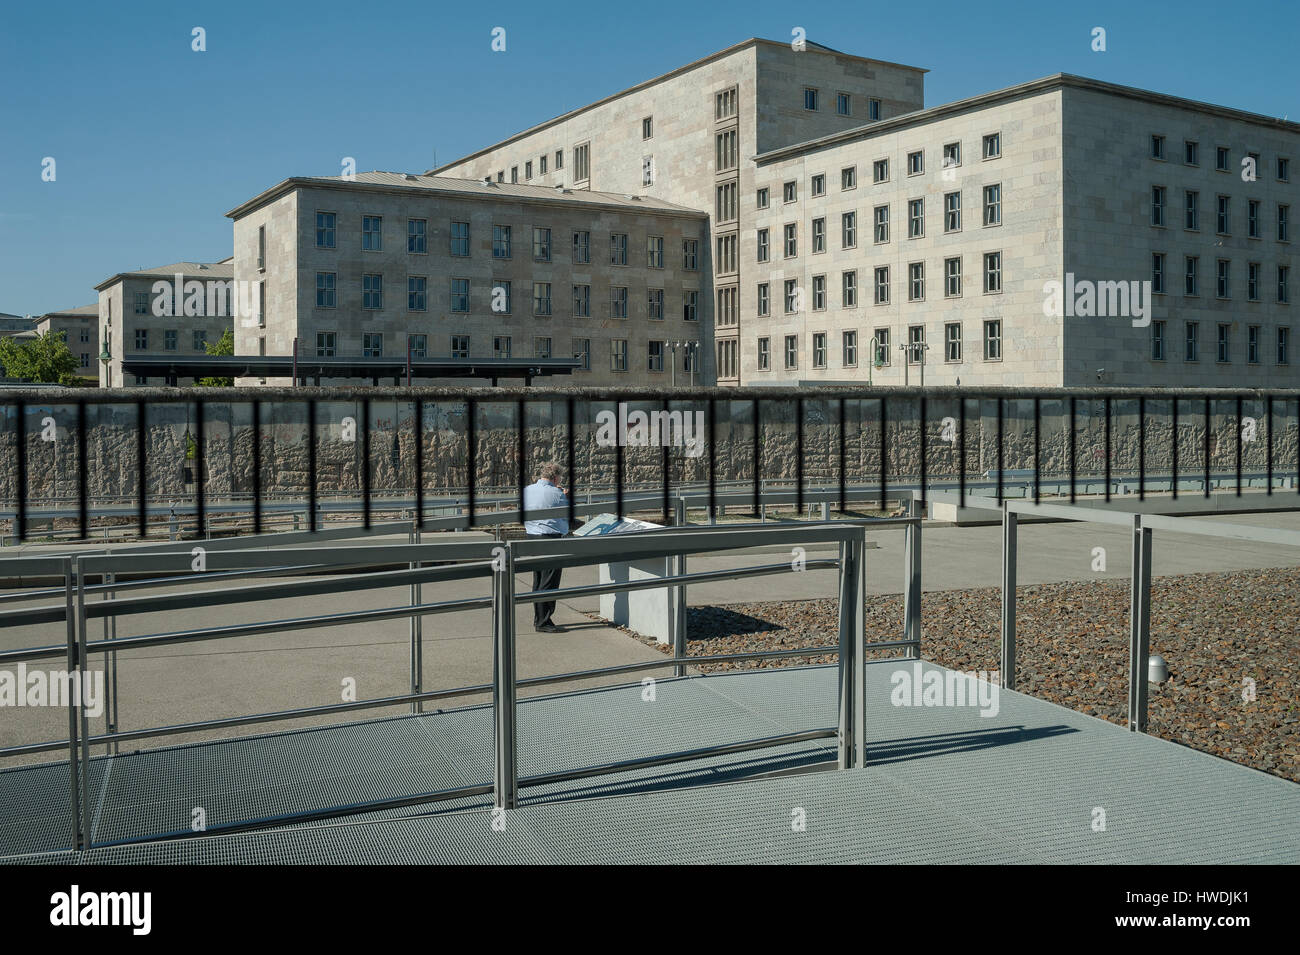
pixel 225 345
pixel 45 358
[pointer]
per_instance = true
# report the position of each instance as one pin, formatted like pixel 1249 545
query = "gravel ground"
pixel 1217 631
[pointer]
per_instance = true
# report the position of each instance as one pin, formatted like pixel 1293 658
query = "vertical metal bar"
pixel 713 476
pixel 1073 449
pixel 141 471
pixel 1268 433
pixel 1008 661
pixel 1106 433
pixel 1000 455
pixel 1173 424
pixel 758 458
pixel 844 456
pixel 471 456
pixel 1139 627
pixel 199 484
pixel 961 452
pixel 1208 426
pixel 110 701
pixel 569 440
pixel 1142 448
pixel 83 507
pixel 884 452
pixel 680 615
pixel 257 467
pixel 311 464
pixel 521 451
pixel 1038 434
pixel 1238 445
pixel 798 456
pixel 618 477
pixel 83 674
pixel 851 627
pixel 74 766
pixel 417 434
pixel 20 444
pixel 912 581
pixel 365 461
pixel 921 424
pixel 667 505
pixel 503 681
pixel 859 542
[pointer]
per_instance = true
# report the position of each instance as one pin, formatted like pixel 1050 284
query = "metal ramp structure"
pixel 941 785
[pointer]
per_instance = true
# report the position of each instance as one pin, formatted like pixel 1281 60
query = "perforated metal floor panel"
pixel 942 785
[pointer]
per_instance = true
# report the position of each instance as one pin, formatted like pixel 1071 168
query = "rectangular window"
pixel 809 98
pixel 992 272
pixel 655 304
pixel 541 298
pixel 618 354
pixel 993 340
pixel 418 345
pixel 1222 159
pixel 654 356
pixel 690 254
pixel 1158 205
pixel 762 245
pixel 791 351
pixel 952 212
pixel 1191 281
pixel 690 305
pixel 372 290
pixel 326 344
pixel 655 252
pixel 325 230
pixel 819 350
pixel 1253 271
pixel 581 248
pixel 459 238
pixel 1283 345
pixel 372 345
pixel 849 177
pixel 582 162
pixel 764 300
pixel 915 218
pixel 415 236
pixel 261 247
pixel 849 289
pixel 417 293
pixel 880 223
pixel 1223 353
pixel 502 296
pixel 1222 273
pixel 618 301
pixel 916 282
pixel 791 240
pixel 726 202
pixel 992 145
pixel 790 191
pixel 1283 226
pixel 1157 147
pixel 459 346
pixel 559 162
pixel 1283 284
pixel 501 242
pixel 169 339
pixel 882 285
pixel 528 170
pixel 372 233
pixel 951 155
pixel 726 151
pixel 618 248
pixel 916 344
pixel 1191 153
pixel 647 127
pixel 916 163
pixel 1191 335
pixel 541 165
pixel 501 346
pixel 761 198
pixel 1222 219
pixel 1191 217
pixel 791 296
pixel 952 341
pixel 993 204
pixel 843 104
pixel 725 104
pixel 818 235
pixel 952 278
pixel 582 301
pixel 326 291
pixel 880 170
pixel 198 342
pixel 541 245
pixel 141 339
pixel 142 303
pixel 726 258
pixel 460 295
pixel 1158 272
pixel 582 352
pixel 880 348
pixel 1252 218
pixel 850 349
pixel 819 293
pixel 1157 341
pixel 765 354
pixel 542 347
pixel 819 185
pixel 1252 344
pixel 1283 169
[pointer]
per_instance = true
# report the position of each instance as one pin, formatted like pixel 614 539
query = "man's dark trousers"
pixel 548 579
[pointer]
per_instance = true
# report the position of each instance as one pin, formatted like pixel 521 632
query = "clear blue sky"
pixel 154 142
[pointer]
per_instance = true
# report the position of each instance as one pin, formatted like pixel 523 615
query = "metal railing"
pixel 340 571
pixel 906 452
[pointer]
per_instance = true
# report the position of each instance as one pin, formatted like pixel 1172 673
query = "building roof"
pixel 1047 84
pixel 77 312
pixel 720 54
pixel 401 183
pixel 191 270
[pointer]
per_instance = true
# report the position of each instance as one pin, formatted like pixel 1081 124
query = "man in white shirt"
pixel 546 492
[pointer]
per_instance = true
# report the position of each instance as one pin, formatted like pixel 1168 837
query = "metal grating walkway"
pixel 942 785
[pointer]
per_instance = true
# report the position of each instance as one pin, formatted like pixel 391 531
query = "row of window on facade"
pixel 501 297
pixel 1222 158
pixel 812 101
pixel 1222 278
pixel 372 346
pixel 1223 214
pixel 991 216
pixel 581 164
pixel 914 349
pixel 1224 346
pixel 543 244
pixel 171 339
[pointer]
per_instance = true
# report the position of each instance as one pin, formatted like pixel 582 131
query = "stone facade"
pixel 390 265
pixel 80 330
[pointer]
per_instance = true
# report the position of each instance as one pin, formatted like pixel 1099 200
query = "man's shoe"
pixel 549 628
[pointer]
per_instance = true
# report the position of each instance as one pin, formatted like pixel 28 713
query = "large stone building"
pixel 169 311
pixel 988 234
pixel 80 329
pixel 382 263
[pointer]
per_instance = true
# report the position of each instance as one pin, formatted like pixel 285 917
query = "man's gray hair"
pixel 551 472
